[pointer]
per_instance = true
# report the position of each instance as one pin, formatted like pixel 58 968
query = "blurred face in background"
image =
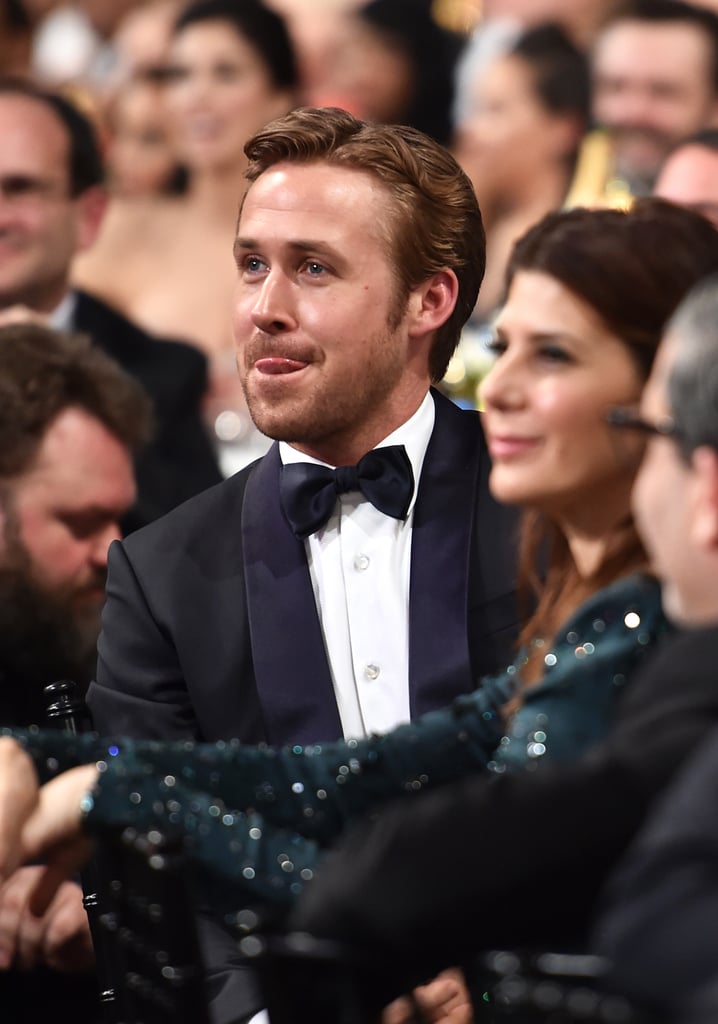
pixel 370 74
pixel 653 87
pixel 220 93
pixel 140 156
pixel 558 370
pixel 508 130
pixel 42 226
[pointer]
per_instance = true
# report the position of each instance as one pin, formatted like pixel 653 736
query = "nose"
pixel 101 543
pixel 504 385
pixel 635 109
pixel 273 310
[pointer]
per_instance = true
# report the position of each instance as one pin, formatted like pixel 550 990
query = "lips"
pixel 277 365
pixel 508 447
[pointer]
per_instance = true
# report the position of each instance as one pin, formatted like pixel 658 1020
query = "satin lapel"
pixel 293 679
pixel 444 520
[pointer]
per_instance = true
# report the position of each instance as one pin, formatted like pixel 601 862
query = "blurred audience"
pixel 581 19
pixel 655 83
pixel 51 208
pixel 167 261
pixel 142 38
pixel 523 118
pixel 689 176
pixel 394 64
pixel 140 151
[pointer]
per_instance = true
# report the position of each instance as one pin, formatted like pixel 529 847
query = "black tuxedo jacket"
pixel 517 859
pixel 210 627
pixel 179 462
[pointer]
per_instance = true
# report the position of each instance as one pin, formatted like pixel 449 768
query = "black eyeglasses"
pixel 626 418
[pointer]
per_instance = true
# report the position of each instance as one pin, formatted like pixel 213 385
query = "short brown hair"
pixel 436 223
pixel 42 373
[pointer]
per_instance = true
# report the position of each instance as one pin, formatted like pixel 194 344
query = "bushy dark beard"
pixel 42 639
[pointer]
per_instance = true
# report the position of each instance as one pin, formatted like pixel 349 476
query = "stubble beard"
pixel 333 408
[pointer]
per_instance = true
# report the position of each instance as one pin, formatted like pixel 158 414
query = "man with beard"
pixel 360 573
pixel 655 83
pixel 70 421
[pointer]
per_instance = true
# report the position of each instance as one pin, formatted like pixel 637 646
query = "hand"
pixel 19 794
pixel 53 832
pixel 445 1000
pixel 60 938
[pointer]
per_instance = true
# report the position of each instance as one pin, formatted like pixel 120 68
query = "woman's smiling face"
pixel 558 370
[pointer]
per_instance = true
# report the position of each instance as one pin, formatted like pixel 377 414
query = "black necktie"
pixel 308 492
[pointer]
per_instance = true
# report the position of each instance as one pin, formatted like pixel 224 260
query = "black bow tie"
pixel 308 492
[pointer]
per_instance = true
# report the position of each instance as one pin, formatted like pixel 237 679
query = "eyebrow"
pixel 539 337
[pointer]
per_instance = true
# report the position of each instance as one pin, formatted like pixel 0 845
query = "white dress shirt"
pixel 359 565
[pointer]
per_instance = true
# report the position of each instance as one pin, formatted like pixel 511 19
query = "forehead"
pixel 338 204
pixel 79 463
pixel 541 304
pixel 32 135
pixel 204 41
pixel 661 49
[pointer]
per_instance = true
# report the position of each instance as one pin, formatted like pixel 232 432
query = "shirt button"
pixel 372 671
pixel 361 562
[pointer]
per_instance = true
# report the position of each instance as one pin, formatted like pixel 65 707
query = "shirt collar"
pixel 62 316
pixel 414 434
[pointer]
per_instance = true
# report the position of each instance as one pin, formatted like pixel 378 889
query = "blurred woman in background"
pixel 167 262
pixel 521 119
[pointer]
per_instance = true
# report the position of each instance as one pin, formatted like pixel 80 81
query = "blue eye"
pixel 254 265
pixel 315 268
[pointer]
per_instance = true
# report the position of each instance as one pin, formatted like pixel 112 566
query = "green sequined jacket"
pixel 258 819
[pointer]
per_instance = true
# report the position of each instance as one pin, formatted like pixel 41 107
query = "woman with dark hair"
pixel 167 261
pixel 588 295
pixel 519 121
pixel 394 64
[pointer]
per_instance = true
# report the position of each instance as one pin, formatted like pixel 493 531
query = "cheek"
pixel 646 490
pixel 56 557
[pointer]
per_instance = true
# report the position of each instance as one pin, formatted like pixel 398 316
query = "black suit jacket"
pixel 210 627
pixel 179 462
pixel 516 859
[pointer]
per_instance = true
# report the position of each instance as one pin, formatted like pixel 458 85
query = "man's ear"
pixel 91 206
pixel 704 503
pixel 432 303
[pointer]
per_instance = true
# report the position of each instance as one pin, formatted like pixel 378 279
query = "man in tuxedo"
pixel 517 860
pixel 285 605
pixel 70 420
pixel 51 207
